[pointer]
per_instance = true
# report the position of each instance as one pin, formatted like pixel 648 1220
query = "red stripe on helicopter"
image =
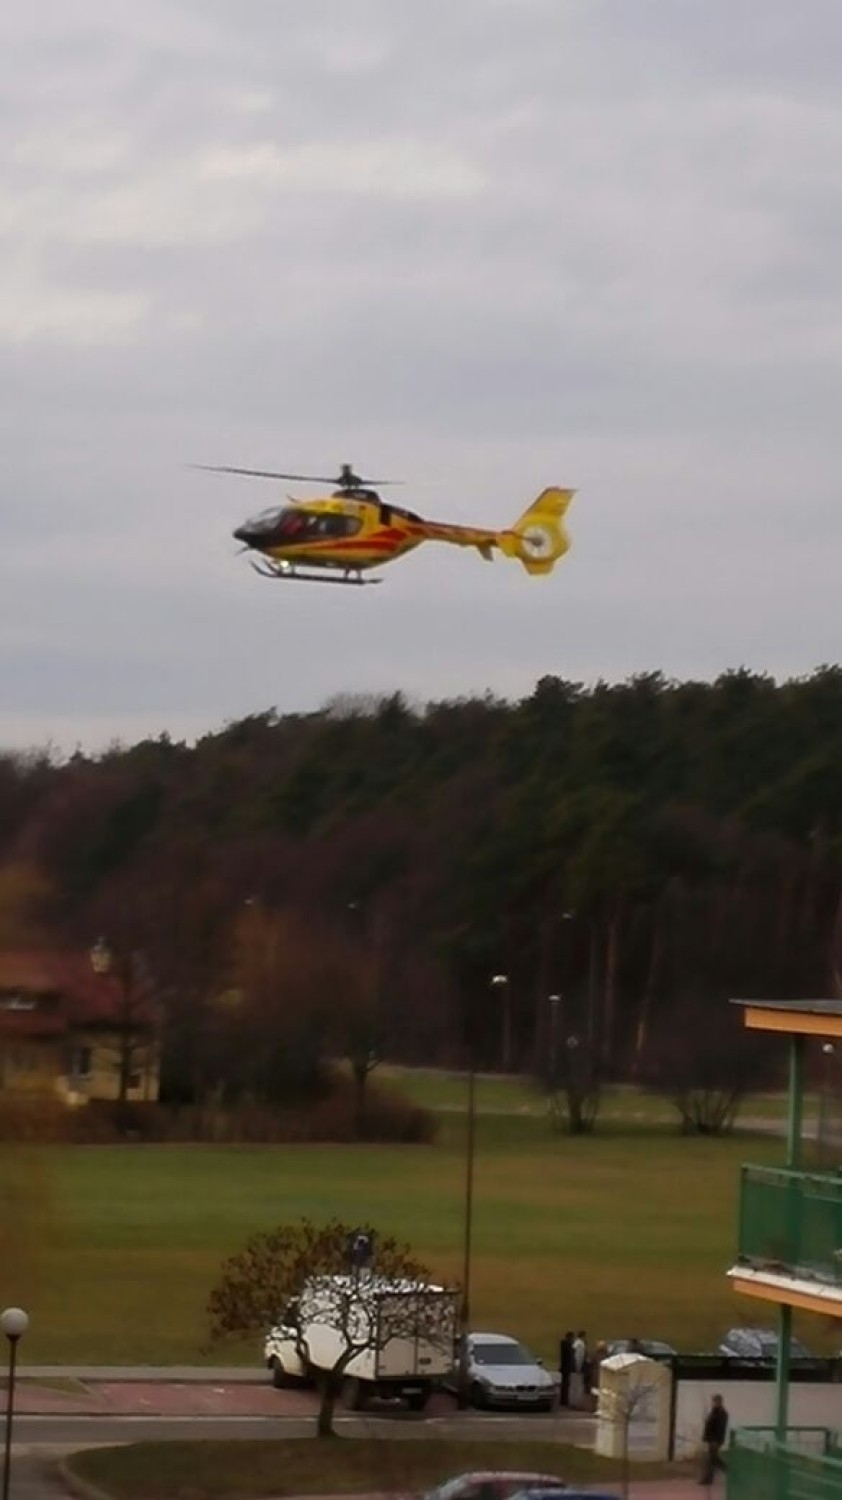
pixel 357 544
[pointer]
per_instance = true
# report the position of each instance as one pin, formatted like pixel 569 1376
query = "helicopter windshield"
pixel 265 523
pixel 293 525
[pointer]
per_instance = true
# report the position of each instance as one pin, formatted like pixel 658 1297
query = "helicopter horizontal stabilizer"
pixel 539 537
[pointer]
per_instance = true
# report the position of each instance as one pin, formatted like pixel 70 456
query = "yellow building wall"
pixel 102 1081
pixel 86 1067
pixel 29 1067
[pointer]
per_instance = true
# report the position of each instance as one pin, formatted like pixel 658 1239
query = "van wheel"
pixel 418 1400
pixel 280 1379
pixel 477 1397
pixel 354 1394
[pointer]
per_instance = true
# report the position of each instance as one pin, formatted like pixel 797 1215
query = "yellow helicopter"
pixel 339 537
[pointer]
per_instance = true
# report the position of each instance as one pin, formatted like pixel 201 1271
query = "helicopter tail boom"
pixel 539 537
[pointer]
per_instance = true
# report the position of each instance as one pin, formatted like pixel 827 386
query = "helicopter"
pixel 340 537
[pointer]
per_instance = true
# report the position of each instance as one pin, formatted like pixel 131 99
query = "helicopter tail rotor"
pixel 539 537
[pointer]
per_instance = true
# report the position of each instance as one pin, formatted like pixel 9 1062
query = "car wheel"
pixel 478 1396
pixel 280 1379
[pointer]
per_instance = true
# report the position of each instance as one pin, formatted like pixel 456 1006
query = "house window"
pixel 80 1062
pixel 18 1002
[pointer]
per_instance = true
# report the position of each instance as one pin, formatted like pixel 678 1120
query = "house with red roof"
pixel 71 1032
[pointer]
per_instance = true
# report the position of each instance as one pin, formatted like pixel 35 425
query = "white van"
pixel 405 1333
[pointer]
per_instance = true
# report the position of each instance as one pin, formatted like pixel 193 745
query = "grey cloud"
pixel 500 243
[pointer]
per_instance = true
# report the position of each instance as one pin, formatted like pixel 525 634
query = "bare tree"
pixel 572 1082
pixel 705 1063
pixel 308 1278
pixel 131 992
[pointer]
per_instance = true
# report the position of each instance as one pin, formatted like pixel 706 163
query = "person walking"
pixel 714 1433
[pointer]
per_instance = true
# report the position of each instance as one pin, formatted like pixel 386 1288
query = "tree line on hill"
pixel 626 857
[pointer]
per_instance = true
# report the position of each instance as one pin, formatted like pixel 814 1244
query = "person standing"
pixel 580 1366
pixel 565 1367
pixel 600 1353
pixel 714 1434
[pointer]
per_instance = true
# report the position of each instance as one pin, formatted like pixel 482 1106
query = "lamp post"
pixel 824 1122
pixel 497 982
pixel 554 1002
pixel 501 982
pixel 14 1323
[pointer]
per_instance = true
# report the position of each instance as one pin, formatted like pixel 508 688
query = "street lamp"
pixel 555 1002
pixel 14 1323
pixel 824 1123
pixel 497 982
pixel 501 982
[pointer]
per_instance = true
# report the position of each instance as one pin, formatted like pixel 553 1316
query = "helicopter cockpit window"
pixel 265 523
pixel 314 526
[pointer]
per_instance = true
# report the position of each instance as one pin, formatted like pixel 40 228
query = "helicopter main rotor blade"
pixel 341 481
pixel 263 474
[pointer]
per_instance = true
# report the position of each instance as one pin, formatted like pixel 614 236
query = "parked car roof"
pixel 554 1492
pixel 492 1338
pixel 652 1348
pixel 508 1480
pixel 759 1343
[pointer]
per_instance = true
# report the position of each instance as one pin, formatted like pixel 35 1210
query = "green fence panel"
pixel 791 1222
pixel 802 1468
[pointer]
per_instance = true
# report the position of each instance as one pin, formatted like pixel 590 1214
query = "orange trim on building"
pixel 793 1022
pixel 813 1302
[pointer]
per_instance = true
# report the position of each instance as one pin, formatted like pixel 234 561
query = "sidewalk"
pixel 181 1374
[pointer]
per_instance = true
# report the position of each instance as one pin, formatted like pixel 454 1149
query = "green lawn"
pixel 618 1233
pixel 622 1106
pixel 172 1470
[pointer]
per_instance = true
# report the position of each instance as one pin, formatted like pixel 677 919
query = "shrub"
pixel 388 1117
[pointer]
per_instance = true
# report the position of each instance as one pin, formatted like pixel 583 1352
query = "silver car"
pixel 502 1372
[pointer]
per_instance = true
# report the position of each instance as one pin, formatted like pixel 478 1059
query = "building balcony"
pixel 790 1238
pixel 805 1465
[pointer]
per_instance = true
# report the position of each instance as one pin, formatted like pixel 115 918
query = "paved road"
pixel 96 1406
pixel 60 1431
pixel 87 1406
pixel 34 1477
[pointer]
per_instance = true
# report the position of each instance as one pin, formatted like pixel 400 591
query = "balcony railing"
pixel 807 1465
pixel 791 1224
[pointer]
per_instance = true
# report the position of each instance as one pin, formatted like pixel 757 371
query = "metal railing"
pixel 791 1223
pixel 807 1465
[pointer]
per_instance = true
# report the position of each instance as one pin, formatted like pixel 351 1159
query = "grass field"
pixel 172 1470
pixel 626 1232
pixel 622 1107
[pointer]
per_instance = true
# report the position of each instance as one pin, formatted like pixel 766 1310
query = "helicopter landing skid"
pixel 355 580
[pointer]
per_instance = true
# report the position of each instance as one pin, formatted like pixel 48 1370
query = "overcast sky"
pixel 485 245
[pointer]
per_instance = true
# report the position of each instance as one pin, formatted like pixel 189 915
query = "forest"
pixel 621 858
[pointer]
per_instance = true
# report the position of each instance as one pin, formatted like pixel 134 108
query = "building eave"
pixel 793 1017
pixel 788 1291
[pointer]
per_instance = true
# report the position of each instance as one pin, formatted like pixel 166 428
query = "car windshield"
pixel 449 1490
pixel 501 1354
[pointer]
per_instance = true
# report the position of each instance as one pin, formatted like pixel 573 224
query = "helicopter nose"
pixel 244 534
